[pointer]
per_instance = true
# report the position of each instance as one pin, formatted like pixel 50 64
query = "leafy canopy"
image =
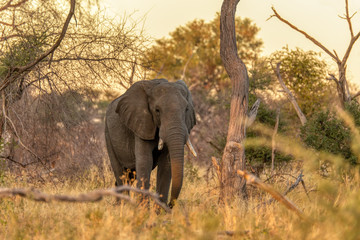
pixel 195 50
pixel 325 132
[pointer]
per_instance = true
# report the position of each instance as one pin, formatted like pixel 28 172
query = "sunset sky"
pixel 319 18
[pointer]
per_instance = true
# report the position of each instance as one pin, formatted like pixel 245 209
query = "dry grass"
pixel 332 209
pixel 334 212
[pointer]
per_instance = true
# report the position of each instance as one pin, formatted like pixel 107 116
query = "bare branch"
pixel 29 66
pixel 253 180
pixel 289 95
pixel 348 50
pixel 273 142
pixel 9 37
pixel 306 35
pixel 298 180
pixel 332 77
pixel 348 18
pixel 93 196
pixel 6 24
pixel 356 95
pixel 16 162
pixel 9 5
pixel 57 43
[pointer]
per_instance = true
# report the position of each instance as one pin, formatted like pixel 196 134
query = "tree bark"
pixel 234 153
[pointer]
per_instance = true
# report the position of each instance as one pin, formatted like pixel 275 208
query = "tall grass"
pixel 332 208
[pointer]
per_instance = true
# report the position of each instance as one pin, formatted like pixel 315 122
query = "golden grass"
pixel 332 212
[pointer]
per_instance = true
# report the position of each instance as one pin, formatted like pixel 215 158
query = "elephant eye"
pixel 157 110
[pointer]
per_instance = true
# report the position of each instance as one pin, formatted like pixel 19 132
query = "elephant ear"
pixel 133 109
pixel 190 118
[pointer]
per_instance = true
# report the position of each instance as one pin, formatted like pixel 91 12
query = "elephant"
pixel 147 127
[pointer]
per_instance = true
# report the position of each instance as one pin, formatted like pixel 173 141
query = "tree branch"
pixel 273 142
pixel 93 196
pixel 19 70
pixel 253 180
pixel 356 95
pixel 9 5
pixel 348 18
pixel 306 35
pixel 289 95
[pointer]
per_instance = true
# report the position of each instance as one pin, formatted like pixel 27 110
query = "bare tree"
pixel 234 153
pixel 51 64
pixel 341 81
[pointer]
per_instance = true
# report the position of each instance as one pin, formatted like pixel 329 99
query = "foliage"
pixel 324 131
pixel 194 49
pixel 304 73
pixel 261 76
pixel 22 52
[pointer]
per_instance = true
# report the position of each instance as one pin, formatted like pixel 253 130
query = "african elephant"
pixel 148 126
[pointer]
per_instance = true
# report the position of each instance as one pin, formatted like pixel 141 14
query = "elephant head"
pixel 161 111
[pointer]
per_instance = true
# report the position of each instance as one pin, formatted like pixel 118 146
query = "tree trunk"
pixel 234 152
pixel 343 91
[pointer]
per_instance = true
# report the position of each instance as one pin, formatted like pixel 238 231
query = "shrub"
pixel 325 132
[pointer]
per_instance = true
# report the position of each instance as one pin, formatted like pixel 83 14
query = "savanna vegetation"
pixel 54 97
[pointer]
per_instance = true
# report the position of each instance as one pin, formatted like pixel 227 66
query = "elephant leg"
pixel 116 167
pixel 144 162
pixel 163 178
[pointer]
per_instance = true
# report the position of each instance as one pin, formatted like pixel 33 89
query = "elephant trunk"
pixel 176 150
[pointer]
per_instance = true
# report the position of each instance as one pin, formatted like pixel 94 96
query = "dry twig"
pixel 253 180
pixel 273 142
pixel 93 196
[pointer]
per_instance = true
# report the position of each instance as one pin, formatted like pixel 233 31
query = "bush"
pixel 325 132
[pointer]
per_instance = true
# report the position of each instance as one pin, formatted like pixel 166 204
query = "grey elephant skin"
pixel 147 127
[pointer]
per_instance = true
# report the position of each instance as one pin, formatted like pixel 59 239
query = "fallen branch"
pixel 93 196
pixel 292 187
pixel 233 233
pixel 295 184
pixel 253 180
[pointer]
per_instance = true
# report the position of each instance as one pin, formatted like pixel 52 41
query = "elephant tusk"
pixel 161 144
pixel 191 148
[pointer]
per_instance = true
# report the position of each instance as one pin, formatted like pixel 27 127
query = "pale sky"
pixel 319 18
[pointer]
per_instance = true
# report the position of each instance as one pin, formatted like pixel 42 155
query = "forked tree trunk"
pixel 234 152
pixel 341 82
